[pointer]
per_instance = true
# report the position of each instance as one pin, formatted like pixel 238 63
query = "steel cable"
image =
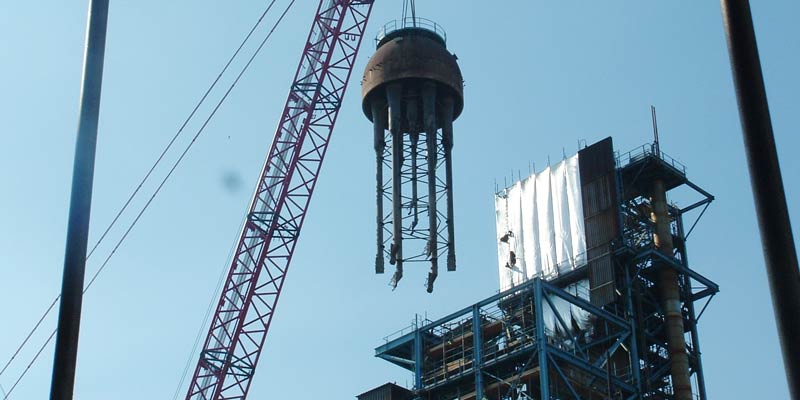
pixel 147 176
pixel 160 186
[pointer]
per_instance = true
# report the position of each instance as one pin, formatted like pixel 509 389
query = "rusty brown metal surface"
pixel 412 56
pixel 601 217
pixel 670 295
pixel 388 391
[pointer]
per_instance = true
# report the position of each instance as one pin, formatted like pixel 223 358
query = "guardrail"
pixel 647 150
pixel 419 23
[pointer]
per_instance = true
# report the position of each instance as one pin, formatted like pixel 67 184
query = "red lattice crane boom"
pixel 253 285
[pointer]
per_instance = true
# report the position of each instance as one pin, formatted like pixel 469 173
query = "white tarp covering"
pixel 573 318
pixel 540 231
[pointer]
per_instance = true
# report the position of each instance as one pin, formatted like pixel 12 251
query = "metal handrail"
pixel 647 150
pixel 409 22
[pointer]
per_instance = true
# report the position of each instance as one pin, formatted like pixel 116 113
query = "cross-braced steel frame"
pixel 253 285
pixel 415 202
pixel 502 348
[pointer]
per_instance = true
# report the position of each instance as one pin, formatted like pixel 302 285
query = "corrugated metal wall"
pixel 601 217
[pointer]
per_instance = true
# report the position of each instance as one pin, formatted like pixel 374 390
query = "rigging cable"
pixel 158 189
pixel 147 176
pixel 214 296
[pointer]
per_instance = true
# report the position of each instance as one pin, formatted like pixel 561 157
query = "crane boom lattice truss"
pixel 250 294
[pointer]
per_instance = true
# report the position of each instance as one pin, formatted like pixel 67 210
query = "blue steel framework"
pixel 500 347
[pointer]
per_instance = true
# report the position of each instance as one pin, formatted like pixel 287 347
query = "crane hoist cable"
pixel 409 5
pixel 161 184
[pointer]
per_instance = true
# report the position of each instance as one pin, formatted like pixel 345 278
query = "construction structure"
pixel 597 298
pixel 412 92
pixel 243 315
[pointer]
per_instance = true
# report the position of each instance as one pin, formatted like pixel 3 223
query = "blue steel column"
pixel 477 354
pixel 417 355
pixel 69 314
pixel 701 380
pixel 634 343
pixel 541 339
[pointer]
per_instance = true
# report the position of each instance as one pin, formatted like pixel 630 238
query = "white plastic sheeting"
pixel 572 318
pixel 540 230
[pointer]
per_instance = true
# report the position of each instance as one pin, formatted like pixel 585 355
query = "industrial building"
pixel 598 299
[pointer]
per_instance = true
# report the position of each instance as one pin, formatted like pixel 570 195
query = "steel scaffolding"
pixel 502 348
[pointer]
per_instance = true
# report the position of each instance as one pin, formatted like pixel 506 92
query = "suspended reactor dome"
pixel 413 88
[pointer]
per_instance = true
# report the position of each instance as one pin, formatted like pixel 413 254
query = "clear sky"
pixel 539 77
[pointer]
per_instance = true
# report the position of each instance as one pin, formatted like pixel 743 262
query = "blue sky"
pixel 539 77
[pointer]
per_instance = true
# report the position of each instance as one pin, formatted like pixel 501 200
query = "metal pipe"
pixel 429 120
pixel 413 133
pixel 378 126
pixel 69 315
pixel 394 94
pixel 777 240
pixel 447 142
pixel 670 295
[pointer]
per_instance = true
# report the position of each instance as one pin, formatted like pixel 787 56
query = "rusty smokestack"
pixel 670 295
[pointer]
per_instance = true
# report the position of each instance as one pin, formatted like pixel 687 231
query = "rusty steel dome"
pixel 412 54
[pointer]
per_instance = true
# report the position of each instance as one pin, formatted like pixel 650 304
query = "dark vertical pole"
pixel 69 316
pixel 765 178
pixel 656 143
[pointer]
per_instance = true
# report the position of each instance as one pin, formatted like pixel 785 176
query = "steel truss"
pixel 415 203
pixel 501 356
pixel 501 348
pixel 250 294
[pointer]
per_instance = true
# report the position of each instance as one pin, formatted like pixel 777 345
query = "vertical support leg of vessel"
pixel 447 143
pixel 379 124
pixel 412 119
pixel 429 118
pixel 394 94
